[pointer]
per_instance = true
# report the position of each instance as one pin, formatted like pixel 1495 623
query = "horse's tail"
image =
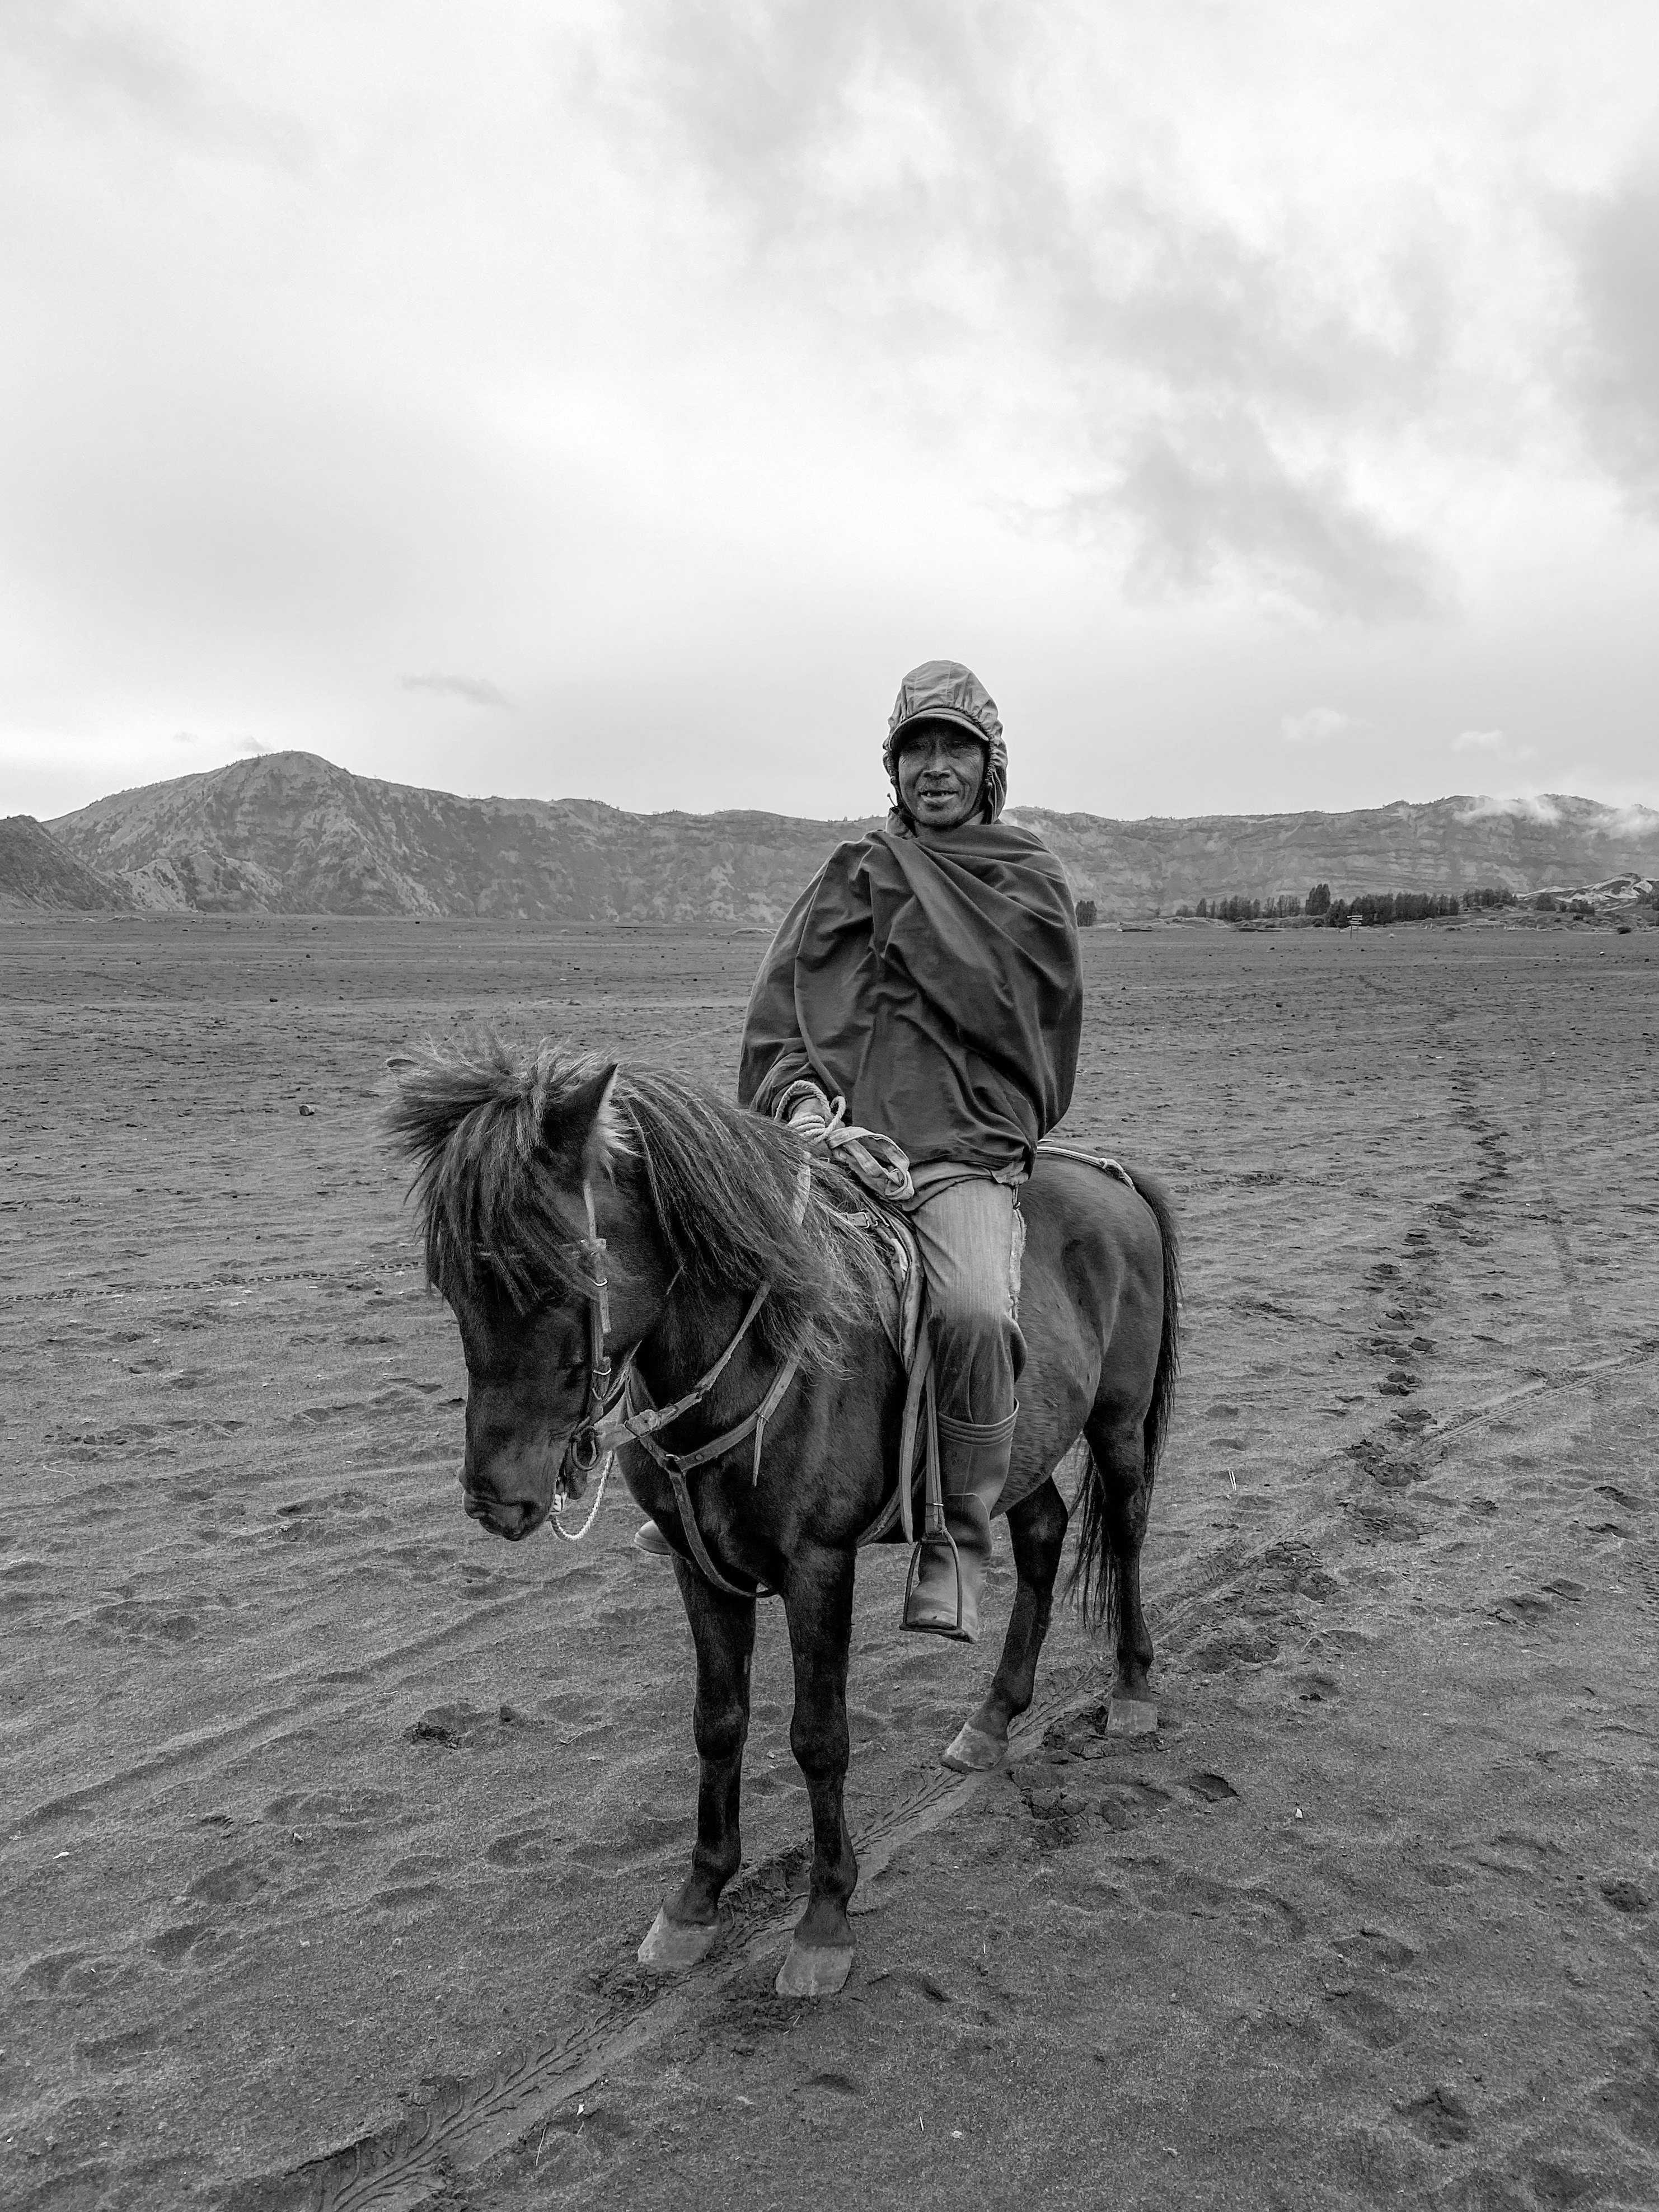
pixel 1094 1575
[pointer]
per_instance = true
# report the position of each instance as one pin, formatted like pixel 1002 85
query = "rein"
pixel 599 1435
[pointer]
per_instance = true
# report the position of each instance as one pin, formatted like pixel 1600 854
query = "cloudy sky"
pixel 613 400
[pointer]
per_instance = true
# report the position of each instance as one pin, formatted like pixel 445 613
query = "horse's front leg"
pixel 723 1630
pixel 818 1599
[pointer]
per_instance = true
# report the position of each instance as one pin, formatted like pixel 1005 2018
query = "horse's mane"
pixel 488 1131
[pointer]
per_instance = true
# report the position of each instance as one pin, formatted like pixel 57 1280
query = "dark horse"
pixel 699 1205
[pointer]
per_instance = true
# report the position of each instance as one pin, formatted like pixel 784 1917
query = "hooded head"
pixel 946 691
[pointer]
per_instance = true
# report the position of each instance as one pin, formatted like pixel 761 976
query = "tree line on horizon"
pixel 1366 910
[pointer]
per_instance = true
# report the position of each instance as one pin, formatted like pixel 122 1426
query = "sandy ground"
pixel 331 1825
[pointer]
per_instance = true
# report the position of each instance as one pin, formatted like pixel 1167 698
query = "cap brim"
pixel 895 737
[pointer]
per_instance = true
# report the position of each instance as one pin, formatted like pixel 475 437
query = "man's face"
pixel 941 774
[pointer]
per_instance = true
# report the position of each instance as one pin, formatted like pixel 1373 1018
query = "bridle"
pixel 601 1431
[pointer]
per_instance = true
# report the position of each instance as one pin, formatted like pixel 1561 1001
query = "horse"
pixel 582 1219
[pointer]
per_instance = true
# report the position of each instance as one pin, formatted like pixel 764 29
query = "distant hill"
pixel 1135 868
pixel 36 871
pixel 290 833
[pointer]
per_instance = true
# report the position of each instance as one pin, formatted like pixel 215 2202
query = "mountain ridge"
pixel 294 833
pixel 37 872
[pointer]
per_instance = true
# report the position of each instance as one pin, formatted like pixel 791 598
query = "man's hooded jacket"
pixel 929 978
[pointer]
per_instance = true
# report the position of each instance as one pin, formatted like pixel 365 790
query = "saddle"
pixel 904 1316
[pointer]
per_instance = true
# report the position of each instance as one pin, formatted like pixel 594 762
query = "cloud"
pixel 991 222
pixel 1634 820
pixel 1494 745
pixel 1614 242
pixel 1221 505
pixel 476 690
pixel 97 59
pixel 1318 726
pixel 1521 806
pixel 253 746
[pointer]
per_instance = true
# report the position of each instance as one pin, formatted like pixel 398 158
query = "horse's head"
pixel 506 1155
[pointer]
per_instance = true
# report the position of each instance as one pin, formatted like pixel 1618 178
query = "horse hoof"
pixel 1131 1716
pixel 971 1751
pixel 811 1970
pixel 673 1944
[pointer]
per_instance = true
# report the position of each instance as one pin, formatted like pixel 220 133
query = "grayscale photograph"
pixel 829 1106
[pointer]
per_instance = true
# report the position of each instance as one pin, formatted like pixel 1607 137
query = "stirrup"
pixel 931 1628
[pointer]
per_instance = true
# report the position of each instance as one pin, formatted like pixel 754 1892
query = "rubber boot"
pixel 651 1543
pixel 943 1595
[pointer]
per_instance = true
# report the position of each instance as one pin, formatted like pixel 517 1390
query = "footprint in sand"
pixel 1159 1886
pixel 1315 1687
pixel 417 1875
pixel 344 1516
pixel 1381 1518
pixel 1251 1645
pixel 1366 2016
pixel 1375 1947
pixel 460 1727
pixel 1625 1895
pixel 1063 1803
pixel 525 1850
pixel 629 1844
pixel 1212 1789
pixel 1441 2117
pixel 1631 2099
pixel 192 1942
pixel 233 1883
pixel 143 1621
pixel 331 1808
pixel 112 2053
pixel 1526 1608
pixel 70 1974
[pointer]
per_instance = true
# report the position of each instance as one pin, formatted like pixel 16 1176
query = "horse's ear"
pixel 583 1126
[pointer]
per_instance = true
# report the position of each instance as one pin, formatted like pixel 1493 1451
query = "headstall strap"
pixel 586 1446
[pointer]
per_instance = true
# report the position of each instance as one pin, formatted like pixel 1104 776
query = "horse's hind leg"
pixel 1114 1529
pixel 818 1599
pixel 1038 1525
pixel 723 1630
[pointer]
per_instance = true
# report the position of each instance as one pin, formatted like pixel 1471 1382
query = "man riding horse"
pixel 925 983
pixel 925 986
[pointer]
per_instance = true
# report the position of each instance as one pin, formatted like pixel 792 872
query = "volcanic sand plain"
pixel 331 1824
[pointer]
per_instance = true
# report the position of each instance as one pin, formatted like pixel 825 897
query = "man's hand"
pixel 807 1111
pixel 879 1163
